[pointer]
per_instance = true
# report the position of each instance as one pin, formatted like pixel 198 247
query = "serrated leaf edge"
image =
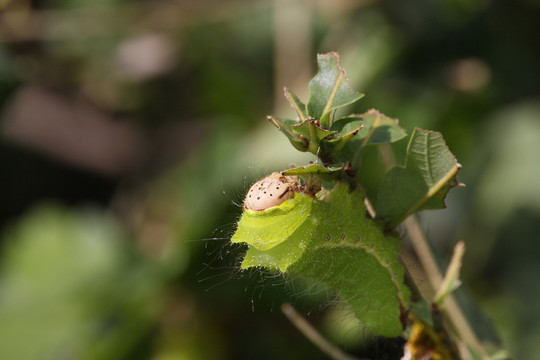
pixel 342 77
pixel 438 185
pixel 375 124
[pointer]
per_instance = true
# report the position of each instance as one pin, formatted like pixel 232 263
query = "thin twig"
pixel 452 278
pixel 313 335
pixel 434 275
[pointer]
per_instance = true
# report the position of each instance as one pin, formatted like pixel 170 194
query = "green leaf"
pixel 335 245
pixel 373 127
pixel 297 105
pixel 311 130
pixel 315 172
pixel 285 126
pixel 263 230
pixel 285 253
pixel 379 129
pixel 346 129
pixel 429 173
pixel 313 169
pixel 350 255
pixel 347 125
pixel 329 89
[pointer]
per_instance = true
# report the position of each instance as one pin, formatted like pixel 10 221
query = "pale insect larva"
pixel 271 191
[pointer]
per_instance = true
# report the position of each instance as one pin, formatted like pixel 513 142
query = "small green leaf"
pixel 313 169
pixel 297 105
pixel 346 129
pixel 284 254
pixel 311 130
pixel 329 89
pixel 429 173
pixel 335 145
pixel 266 229
pixel 379 129
pixel 324 173
pixel 375 129
pixel 285 126
pixel 347 125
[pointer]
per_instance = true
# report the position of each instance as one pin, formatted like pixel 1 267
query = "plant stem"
pixel 313 335
pixel 452 278
pixel 434 275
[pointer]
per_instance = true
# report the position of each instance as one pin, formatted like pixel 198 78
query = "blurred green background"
pixel 130 130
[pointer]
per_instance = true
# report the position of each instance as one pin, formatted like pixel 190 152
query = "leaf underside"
pixel 339 247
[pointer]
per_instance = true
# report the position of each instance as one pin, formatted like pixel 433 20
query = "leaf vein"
pixel 386 266
pixel 333 94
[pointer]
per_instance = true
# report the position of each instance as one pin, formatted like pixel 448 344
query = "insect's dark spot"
pixel 258 197
pixel 265 192
pixel 249 195
pixel 271 194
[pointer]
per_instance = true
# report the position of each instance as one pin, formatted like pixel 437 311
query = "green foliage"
pixel 333 243
pixel 331 140
pixel 328 237
pixel 329 89
pixel 481 93
pixel 323 172
pixel 373 127
pixel 278 236
pixel 430 171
